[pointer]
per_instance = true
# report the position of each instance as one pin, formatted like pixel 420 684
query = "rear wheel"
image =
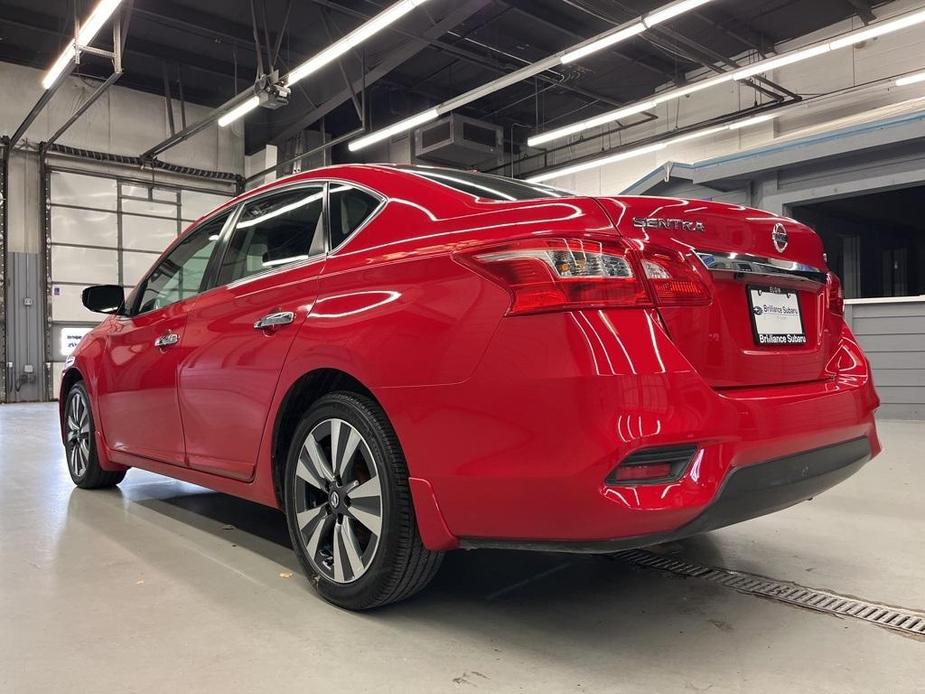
pixel 349 508
pixel 80 443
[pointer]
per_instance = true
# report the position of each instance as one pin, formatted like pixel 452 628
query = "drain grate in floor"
pixel 898 619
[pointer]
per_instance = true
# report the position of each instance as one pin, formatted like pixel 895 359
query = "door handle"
pixel 167 340
pixel 274 320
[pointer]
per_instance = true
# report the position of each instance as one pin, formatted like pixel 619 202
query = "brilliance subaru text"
pixel 410 360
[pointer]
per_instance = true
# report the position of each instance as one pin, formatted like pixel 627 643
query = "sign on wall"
pixel 67 339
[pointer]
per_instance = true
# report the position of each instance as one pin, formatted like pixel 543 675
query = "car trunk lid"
pixel 760 269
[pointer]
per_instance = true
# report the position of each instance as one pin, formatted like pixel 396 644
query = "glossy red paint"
pixel 510 424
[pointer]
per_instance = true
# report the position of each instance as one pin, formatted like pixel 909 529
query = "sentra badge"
pixel 669 224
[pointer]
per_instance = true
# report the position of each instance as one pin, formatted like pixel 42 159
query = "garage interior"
pixel 874 241
pixel 164 584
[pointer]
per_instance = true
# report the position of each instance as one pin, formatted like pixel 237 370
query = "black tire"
pixel 83 463
pixel 399 565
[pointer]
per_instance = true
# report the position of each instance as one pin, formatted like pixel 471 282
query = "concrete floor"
pixel 162 586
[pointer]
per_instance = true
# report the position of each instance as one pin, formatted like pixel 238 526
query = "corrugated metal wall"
pixel 892 334
pixel 25 320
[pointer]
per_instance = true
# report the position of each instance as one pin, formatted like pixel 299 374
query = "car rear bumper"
pixel 522 454
pixel 747 493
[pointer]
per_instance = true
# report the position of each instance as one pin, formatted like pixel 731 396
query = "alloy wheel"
pixel 78 434
pixel 338 501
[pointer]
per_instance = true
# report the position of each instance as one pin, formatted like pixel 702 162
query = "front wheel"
pixel 80 443
pixel 349 509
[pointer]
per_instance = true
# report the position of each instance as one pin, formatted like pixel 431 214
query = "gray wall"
pixel 893 336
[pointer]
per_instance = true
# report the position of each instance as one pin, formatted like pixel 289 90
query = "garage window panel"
pixel 84 265
pixel 154 208
pixel 165 195
pixel 134 190
pixel 81 190
pixel 84 227
pixel 140 233
pixel 195 204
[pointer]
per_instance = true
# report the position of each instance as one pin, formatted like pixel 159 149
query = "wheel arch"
pixel 68 379
pixel 304 392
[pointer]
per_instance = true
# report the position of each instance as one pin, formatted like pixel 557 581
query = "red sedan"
pixel 412 360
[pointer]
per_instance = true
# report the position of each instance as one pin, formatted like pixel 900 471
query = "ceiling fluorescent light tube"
pixel 239 111
pixel 671 11
pixel 611 116
pixel 603 119
pixel 748 122
pixel 648 149
pixel 586 166
pixel 353 39
pixel 673 94
pixel 697 135
pixel 54 72
pixel 85 34
pixel 780 61
pixel 605 42
pixel 855 37
pixel 879 29
pixel 400 126
pixel 911 79
pixel 100 15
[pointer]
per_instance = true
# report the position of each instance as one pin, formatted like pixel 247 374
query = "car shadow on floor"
pixel 592 611
pixel 245 524
pixel 488 576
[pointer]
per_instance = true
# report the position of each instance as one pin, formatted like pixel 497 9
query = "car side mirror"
pixel 103 298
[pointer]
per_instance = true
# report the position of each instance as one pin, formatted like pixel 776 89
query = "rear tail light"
pixel 673 279
pixel 561 274
pixel 662 464
pixel 556 274
pixel 836 295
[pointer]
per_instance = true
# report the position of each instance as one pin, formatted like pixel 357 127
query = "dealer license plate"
pixel 776 318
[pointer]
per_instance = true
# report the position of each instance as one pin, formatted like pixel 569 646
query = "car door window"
pixel 274 231
pixel 350 208
pixel 182 273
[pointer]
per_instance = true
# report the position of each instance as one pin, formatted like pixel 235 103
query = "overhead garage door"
pixel 107 229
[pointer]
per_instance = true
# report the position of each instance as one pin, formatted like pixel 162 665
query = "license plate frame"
pixel 772 318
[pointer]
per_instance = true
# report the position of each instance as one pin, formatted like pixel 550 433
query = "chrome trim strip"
pixel 740 263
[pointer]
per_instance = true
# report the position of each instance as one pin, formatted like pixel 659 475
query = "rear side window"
pixel 350 208
pixel 487 186
pixel 275 231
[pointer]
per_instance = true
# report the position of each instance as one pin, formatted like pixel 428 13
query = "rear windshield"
pixel 486 186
